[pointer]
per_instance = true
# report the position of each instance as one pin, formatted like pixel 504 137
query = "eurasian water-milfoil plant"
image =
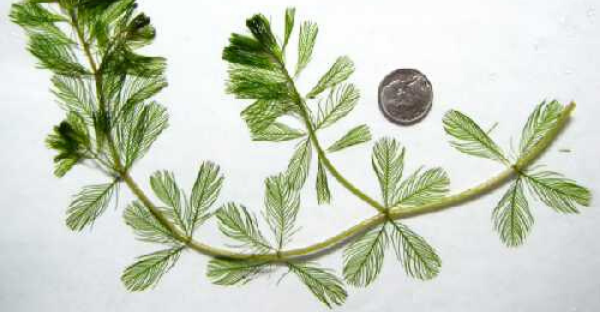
pixel 106 88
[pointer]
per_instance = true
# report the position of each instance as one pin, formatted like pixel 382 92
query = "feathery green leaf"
pixel 107 25
pixel 416 255
pixel 55 55
pixel 75 95
pixel 140 32
pixel 260 28
pixel 282 204
pixel 388 164
pixel 540 122
pixel 139 129
pixel 341 70
pixel 122 59
pixel 31 14
pixel 512 218
pixel 290 16
pixel 339 104
pixel 227 272
pixel 204 194
pixel 255 71
pixel 262 114
pixel 247 82
pixel 278 132
pixel 244 50
pixel 71 139
pixel 149 269
pixel 54 34
pixel 299 165
pixel 165 188
pixel 136 90
pixel 363 258
pixel 558 192
pixel 306 45
pixel 89 204
pixel 355 136
pixel 145 225
pixel 237 223
pixel 327 287
pixel 423 188
pixel 323 192
pixel 470 139
pixel 37 20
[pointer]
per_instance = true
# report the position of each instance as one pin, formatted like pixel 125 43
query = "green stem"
pixel 179 235
pixel 522 163
pixel 126 177
pixel 332 169
pixel 445 203
pixel 315 249
pixel 312 134
pixel 395 213
pixel 547 140
pixel 98 84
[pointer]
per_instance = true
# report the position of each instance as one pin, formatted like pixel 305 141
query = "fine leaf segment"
pixel 106 88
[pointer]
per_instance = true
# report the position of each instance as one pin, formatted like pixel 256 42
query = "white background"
pixel 493 60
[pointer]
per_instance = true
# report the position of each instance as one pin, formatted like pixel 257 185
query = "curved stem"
pixel 332 169
pixel 313 250
pixel 394 213
pixel 312 134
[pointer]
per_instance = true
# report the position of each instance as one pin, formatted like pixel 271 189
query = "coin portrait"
pixel 405 96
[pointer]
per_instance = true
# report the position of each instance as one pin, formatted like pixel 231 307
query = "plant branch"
pixel 384 214
pixel 313 250
pixel 394 213
pixel 333 170
pixel 99 85
pixel 517 168
pixel 321 153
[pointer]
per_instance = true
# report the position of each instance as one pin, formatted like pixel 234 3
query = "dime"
pixel 405 96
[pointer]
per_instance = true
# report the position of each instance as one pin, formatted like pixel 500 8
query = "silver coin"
pixel 405 96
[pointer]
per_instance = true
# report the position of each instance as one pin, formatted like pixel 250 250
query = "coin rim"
pixel 389 116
